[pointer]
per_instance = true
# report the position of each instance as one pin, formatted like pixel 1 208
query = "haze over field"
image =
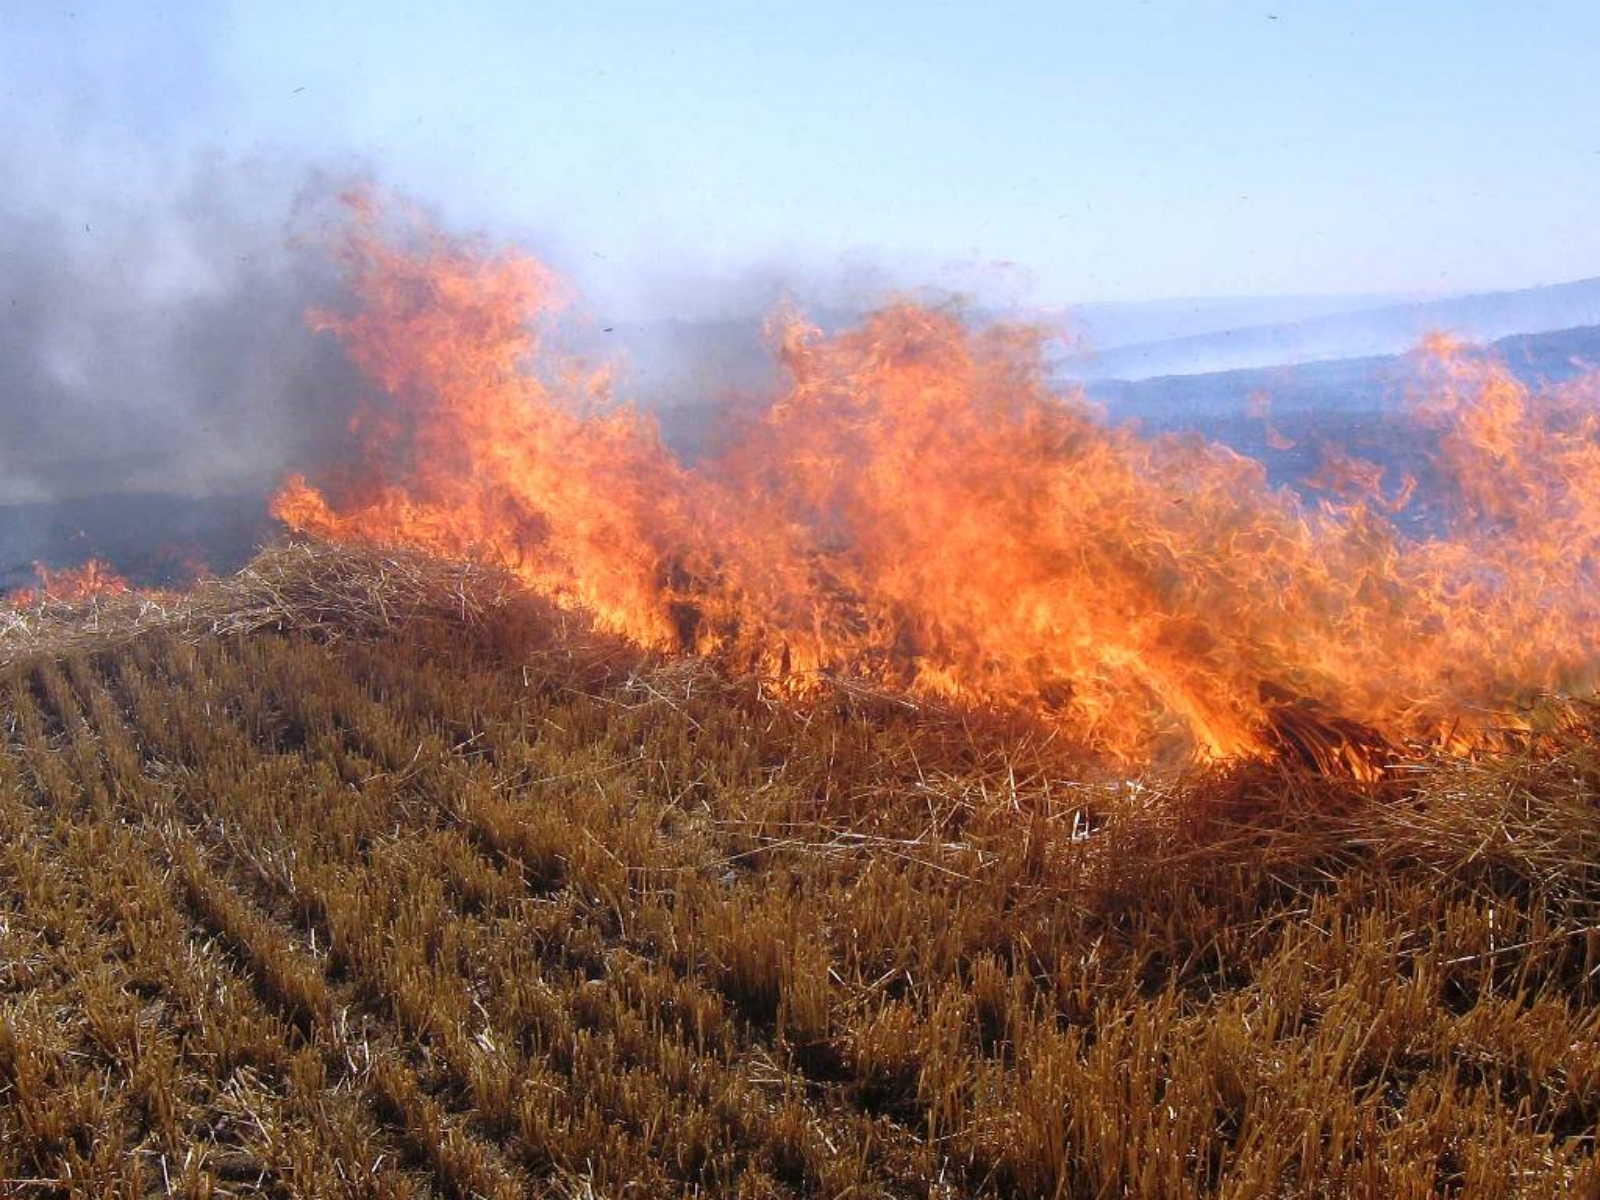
pixel 1349 329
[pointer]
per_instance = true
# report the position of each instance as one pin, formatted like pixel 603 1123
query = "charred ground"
pixel 358 896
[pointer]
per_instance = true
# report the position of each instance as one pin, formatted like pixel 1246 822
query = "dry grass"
pixel 379 882
pixel 302 587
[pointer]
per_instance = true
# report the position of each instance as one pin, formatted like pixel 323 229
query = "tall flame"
pixel 921 506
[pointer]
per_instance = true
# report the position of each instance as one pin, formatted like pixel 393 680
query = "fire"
pixel 69 585
pixel 921 506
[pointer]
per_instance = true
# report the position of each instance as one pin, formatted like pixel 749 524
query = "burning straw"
pixel 922 505
pixel 330 592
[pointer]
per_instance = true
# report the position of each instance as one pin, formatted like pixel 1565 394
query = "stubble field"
pixel 498 908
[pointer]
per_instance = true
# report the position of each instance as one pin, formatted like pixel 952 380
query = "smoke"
pixel 161 345
pixel 158 258
pixel 692 342
pixel 154 273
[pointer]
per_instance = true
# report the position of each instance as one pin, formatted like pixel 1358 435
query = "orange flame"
pixel 922 507
pixel 69 585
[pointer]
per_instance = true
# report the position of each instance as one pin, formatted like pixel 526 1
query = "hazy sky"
pixel 1079 151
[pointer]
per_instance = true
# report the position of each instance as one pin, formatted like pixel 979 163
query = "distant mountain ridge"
pixel 1369 384
pixel 1385 329
pixel 1356 404
pixel 1103 325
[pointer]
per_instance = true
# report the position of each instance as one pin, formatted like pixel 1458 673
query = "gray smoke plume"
pixel 154 275
pixel 164 347
pixel 158 260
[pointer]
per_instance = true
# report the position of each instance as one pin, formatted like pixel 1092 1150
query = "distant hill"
pixel 683 369
pixel 1386 329
pixel 1101 326
pixel 1352 403
pixel 1368 384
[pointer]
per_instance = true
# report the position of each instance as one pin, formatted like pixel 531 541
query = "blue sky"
pixel 1062 152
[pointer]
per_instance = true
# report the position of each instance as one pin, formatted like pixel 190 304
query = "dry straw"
pixel 300 586
pixel 428 887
